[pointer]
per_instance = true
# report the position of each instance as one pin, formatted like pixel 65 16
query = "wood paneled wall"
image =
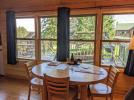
pixel 17 70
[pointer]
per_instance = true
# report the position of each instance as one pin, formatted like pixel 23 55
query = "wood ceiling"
pixel 19 5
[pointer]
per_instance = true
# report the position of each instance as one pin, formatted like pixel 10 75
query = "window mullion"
pixel 37 39
pixel 98 38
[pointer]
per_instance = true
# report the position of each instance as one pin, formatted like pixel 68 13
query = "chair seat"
pixel 72 96
pixel 100 88
pixel 37 81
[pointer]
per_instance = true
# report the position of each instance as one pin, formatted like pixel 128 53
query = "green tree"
pixel 82 27
pixel 108 27
pixel 49 28
pixel 22 32
pixel 49 31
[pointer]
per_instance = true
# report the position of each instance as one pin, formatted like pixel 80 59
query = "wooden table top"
pixel 80 74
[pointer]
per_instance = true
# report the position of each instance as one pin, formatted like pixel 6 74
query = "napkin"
pixel 61 67
pixel 88 71
pixel 53 63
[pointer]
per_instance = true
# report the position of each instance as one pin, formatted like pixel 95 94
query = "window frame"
pixel 44 39
pixel 110 40
pixel 33 39
pixel 99 12
pixel 82 40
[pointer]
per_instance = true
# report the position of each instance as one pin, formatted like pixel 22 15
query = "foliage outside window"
pixel 25 38
pixel 117 31
pixel 48 38
pixel 82 35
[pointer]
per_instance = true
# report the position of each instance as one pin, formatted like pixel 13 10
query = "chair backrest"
pixel 57 86
pixel 112 76
pixel 29 65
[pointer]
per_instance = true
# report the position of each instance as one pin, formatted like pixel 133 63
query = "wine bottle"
pixel 72 57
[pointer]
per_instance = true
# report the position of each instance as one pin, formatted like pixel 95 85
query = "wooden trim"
pixel 98 36
pixel 115 9
pixel 21 59
pixel 81 40
pixel 69 40
pixel 84 11
pixel 24 39
pixel 23 17
pixel 115 40
pixel 38 38
pixel 49 39
pixel 118 10
pixel 119 67
pixel 37 46
pixel 46 13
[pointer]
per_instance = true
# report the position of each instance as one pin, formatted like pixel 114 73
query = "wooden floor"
pixel 13 89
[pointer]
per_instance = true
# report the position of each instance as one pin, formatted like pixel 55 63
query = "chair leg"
pixel 77 92
pixel 89 94
pixel 49 96
pixel 91 97
pixel 45 95
pixel 111 97
pixel 106 98
pixel 29 92
pixel 76 97
pixel 42 94
pixel 39 90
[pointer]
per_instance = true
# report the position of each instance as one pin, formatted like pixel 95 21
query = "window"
pixel 82 35
pixel 25 38
pixel 48 38
pixel 117 31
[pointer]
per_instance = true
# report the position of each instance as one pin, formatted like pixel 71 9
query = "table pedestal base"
pixel 83 92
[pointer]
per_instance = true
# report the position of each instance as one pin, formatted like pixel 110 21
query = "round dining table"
pixel 81 74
